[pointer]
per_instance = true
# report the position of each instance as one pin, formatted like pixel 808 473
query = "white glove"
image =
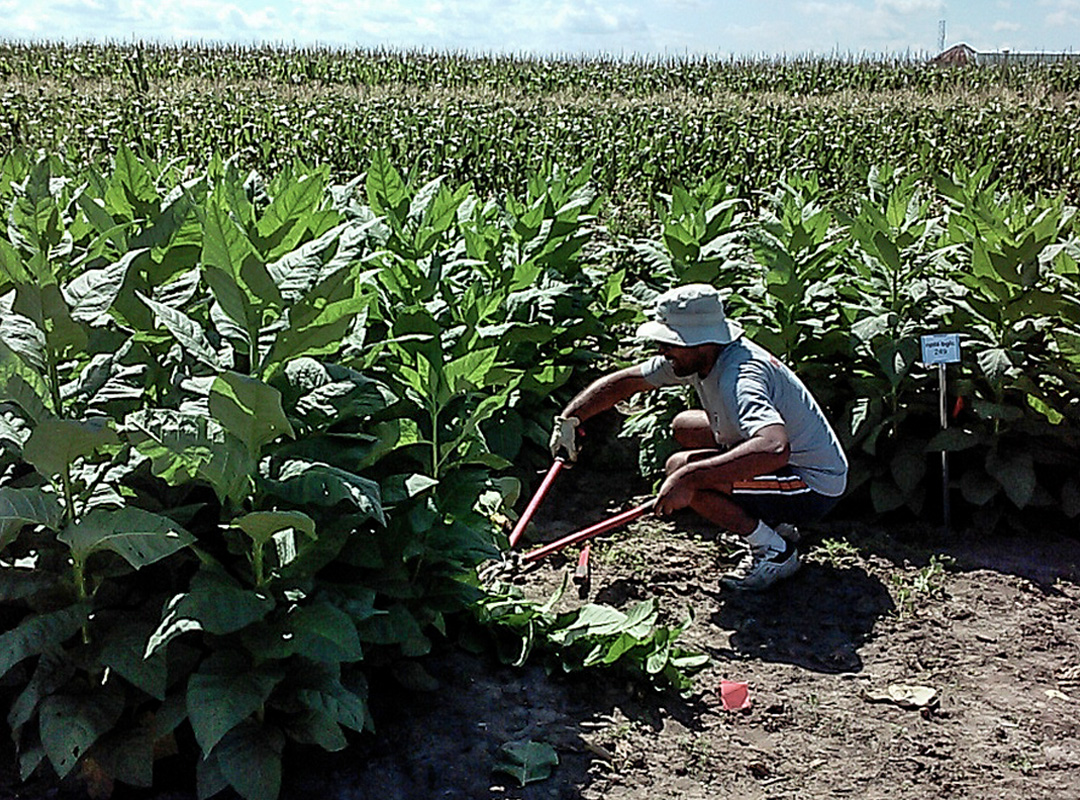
pixel 564 438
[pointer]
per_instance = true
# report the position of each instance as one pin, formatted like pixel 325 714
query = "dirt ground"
pixel 991 626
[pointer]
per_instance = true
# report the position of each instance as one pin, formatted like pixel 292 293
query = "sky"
pixel 628 28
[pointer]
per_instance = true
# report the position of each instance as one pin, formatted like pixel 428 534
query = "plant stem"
pixel 78 570
pixel 434 440
pixel 65 476
pixel 257 564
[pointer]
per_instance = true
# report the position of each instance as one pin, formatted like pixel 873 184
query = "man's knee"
pixel 676 461
pixel 691 429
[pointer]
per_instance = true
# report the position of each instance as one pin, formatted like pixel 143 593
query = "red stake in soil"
pixel 593 530
pixel 531 508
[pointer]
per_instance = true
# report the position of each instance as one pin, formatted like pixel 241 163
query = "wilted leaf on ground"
pixel 527 761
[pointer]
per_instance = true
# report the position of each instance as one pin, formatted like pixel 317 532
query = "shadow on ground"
pixel 1042 559
pixel 818 620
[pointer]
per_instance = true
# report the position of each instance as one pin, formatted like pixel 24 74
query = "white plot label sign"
pixel 941 348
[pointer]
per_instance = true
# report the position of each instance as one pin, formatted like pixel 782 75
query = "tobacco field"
pixel 282 333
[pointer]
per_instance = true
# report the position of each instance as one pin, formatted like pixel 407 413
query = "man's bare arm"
pixel 606 392
pixel 765 451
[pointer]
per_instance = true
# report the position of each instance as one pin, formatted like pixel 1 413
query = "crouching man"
pixel 759 455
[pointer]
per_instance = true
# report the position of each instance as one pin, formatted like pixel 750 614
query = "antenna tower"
pixel 941 36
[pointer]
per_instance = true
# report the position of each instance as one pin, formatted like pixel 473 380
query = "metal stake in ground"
pixel 942 349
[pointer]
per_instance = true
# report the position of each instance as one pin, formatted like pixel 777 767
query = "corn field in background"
pixel 281 330
pixel 493 120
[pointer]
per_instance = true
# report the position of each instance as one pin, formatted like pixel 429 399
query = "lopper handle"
pixel 530 509
pixel 609 524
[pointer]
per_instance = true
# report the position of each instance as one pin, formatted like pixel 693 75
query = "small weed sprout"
pixel 928 583
pixel 836 553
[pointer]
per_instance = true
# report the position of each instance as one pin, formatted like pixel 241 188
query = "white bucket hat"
pixel 690 315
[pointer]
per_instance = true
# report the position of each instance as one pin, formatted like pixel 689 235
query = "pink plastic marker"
pixel 735 695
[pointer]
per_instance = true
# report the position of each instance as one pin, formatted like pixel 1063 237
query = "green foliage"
pixel 593 636
pixel 252 428
pixel 249 435
pixel 845 295
pixel 527 761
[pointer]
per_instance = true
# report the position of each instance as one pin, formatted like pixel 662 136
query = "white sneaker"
pixel 789 532
pixel 761 569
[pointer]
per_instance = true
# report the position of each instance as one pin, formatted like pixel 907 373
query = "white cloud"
pixel 1063 14
pixel 884 26
pixel 1003 25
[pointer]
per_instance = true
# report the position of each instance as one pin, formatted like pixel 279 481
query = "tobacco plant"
pixel 249 437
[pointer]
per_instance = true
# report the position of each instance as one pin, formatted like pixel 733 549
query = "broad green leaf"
pixel 398 488
pixel 131 185
pixel 188 332
pixel 55 444
pixel 249 409
pixel 53 671
pixel 302 482
pixel 324 394
pixel 885 496
pixel 318 632
pixel 23 385
pixel 661 652
pixel 1016 474
pixel 385 189
pixel 1068 342
pixel 469 371
pixel 102 222
pixel 317 728
pixel 343 706
pixel 1003 411
pixel 127 755
pixel 613 651
pixel 209 780
pixel 527 761
pixel 977 487
pixel 641 618
pixel 953 440
pixel 888 251
pixel 39 632
pixel 322 337
pixel 92 293
pixel 139 537
pixel 218 703
pixel 397 626
pixel 291 205
pixel 237 276
pixel 908 467
pixel 122 649
pixel 296 272
pixel 19 583
pixel 995 364
pixel 21 507
pixel 262 525
pixel 184 447
pixel 225 244
pixel 216 604
pixel 249 758
pixel 25 338
pixel 71 724
pixel 233 302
